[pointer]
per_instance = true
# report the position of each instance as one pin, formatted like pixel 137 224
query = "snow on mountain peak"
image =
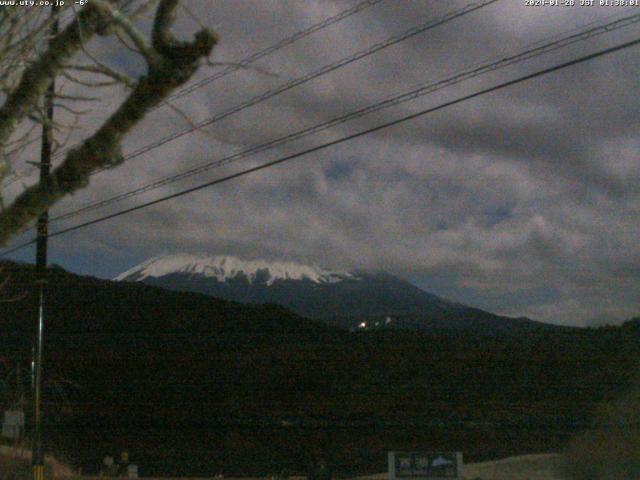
pixel 224 267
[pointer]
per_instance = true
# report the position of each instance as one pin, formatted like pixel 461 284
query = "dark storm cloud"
pixel 523 201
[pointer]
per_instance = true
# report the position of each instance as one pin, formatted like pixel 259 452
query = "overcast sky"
pixel 524 201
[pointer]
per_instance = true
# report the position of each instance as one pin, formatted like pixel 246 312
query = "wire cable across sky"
pixel 341 140
pixel 526 54
pixel 245 62
pixel 254 57
pixel 393 40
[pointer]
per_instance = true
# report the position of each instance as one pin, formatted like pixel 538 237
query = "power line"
pixel 389 102
pixel 269 50
pixel 312 75
pixel 254 57
pixel 451 15
pixel 347 138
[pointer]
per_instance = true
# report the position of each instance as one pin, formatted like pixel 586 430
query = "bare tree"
pixel 30 58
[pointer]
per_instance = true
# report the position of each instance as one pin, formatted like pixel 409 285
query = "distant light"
pixel 363 325
pixel 387 320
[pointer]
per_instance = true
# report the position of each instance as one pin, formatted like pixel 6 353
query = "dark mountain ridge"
pixel 349 300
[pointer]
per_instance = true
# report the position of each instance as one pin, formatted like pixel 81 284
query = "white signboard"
pixel 425 465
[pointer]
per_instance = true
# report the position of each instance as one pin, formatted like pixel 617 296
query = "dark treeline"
pixel 191 385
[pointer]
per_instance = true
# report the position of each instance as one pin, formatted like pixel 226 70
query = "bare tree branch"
pixel 121 21
pixel 106 71
pixel 37 77
pixel 91 83
pixel 174 64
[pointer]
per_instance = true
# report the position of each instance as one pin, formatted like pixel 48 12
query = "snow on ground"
pixel 524 467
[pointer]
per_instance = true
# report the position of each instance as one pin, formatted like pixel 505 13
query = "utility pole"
pixel 37 458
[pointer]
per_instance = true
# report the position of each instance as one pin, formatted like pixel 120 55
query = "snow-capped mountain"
pixel 224 268
pixel 353 300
